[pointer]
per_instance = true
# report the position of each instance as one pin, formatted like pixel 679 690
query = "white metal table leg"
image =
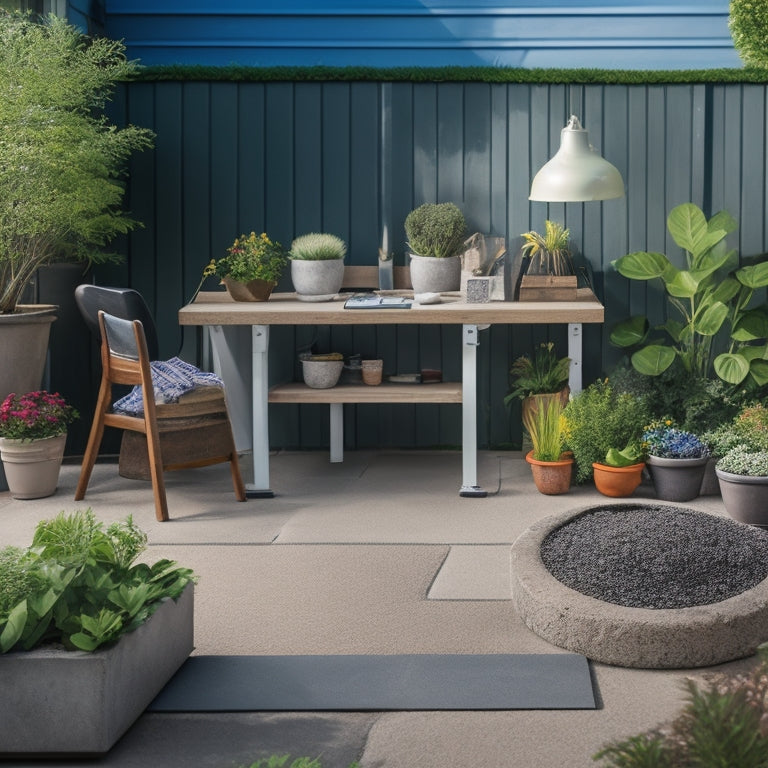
pixel 469 343
pixel 260 424
pixel 337 432
pixel 575 353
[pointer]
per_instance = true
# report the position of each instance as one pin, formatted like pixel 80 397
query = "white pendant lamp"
pixel 576 173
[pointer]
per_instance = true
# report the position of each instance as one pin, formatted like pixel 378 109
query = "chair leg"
pixel 155 462
pixel 94 441
pixel 237 478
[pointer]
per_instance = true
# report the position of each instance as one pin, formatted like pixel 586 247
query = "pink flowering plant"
pixel 35 416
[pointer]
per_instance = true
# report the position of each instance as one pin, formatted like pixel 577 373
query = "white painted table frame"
pixel 215 310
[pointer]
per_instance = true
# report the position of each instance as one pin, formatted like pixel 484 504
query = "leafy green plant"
pixel 742 460
pixel 549 253
pixel 543 425
pixel 542 373
pixel 600 418
pixel 250 257
pixel 60 160
pixel 712 293
pixel 626 457
pixel 748 22
pixel 78 585
pixel 318 247
pixel 436 229
pixel 721 726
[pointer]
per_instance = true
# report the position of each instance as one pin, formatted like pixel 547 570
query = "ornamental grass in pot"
pixel 317 266
pixel 550 466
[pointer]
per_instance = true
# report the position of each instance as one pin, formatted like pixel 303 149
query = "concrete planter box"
pixel 71 702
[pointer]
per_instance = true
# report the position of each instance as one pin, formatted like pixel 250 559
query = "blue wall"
pixel 538 33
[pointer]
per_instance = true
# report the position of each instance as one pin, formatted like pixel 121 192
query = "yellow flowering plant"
pixel 251 257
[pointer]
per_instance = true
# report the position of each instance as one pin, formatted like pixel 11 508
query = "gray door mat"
pixel 362 683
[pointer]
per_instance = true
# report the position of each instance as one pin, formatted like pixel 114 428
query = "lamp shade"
pixel 576 173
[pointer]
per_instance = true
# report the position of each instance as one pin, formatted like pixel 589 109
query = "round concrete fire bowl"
pixel 645 586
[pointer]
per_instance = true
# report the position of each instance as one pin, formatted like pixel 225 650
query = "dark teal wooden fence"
pixel 288 158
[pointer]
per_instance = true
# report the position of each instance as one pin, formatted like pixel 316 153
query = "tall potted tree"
pixel 60 168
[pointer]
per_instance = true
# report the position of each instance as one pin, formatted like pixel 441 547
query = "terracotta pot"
pixel 253 290
pixel 617 481
pixel 32 466
pixel 551 477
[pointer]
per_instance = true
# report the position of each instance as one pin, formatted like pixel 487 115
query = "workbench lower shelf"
pixel 336 397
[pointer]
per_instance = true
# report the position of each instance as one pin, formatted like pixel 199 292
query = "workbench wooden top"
pixel 217 308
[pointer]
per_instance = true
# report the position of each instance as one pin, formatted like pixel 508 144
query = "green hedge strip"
pixel 451 74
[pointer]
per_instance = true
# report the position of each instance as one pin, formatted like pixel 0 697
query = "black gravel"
pixel 652 556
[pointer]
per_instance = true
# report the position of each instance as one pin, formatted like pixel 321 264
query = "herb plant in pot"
pixel 436 233
pixel 676 460
pixel 88 636
pixel 743 469
pixel 598 419
pixel 252 267
pixel 539 377
pixel 317 266
pixel 33 434
pixel 550 466
pixel 620 472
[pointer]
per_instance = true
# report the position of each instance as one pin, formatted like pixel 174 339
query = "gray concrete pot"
pixel 676 479
pixel 317 280
pixel 431 275
pixel 745 498
pixel 73 702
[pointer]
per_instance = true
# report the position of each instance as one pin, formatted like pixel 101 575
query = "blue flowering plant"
pixel 663 438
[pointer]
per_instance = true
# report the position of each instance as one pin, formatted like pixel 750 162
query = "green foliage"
pixel 60 160
pixel 241 73
pixel 600 418
pixel 250 257
pixel 436 229
pixel 78 584
pixel 542 374
pixel 721 726
pixel 543 424
pixel 281 761
pixel 748 22
pixel 741 460
pixel 318 247
pixel 632 454
pixel 548 253
pixel 711 294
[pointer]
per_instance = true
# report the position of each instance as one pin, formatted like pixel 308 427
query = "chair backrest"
pixel 121 303
pixel 124 354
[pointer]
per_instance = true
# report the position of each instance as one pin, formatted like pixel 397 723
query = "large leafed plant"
pixel 61 161
pixel 712 295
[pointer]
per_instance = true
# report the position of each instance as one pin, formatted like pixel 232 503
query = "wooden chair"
pixel 125 360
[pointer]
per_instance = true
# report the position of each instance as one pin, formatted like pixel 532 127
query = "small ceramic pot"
pixel 551 477
pixel 617 482
pixel 431 275
pixel 372 371
pixel 321 374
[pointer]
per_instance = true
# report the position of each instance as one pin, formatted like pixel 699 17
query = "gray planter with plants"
pixel 743 477
pixel 67 702
pixel 88 637
pixel 436 234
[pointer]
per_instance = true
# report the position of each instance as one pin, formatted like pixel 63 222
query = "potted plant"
pixel 676 460
pixel 252 267
pixel 33 433
pixel 88 637
pixel 550 466
pixel 436 234
pixel 60 167
pixel 742 470
pixel 712 293
pixel 550 274
pixel 317 266
pixel 620 472
pixel 599 418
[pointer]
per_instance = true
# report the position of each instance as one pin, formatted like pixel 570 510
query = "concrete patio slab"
pixel 473 573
